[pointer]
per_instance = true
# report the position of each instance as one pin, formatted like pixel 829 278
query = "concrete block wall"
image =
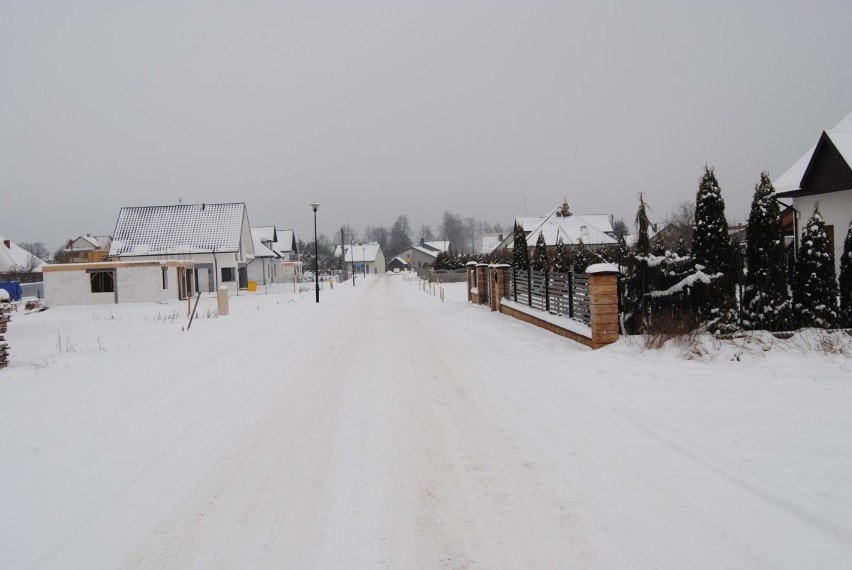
pixel 72 288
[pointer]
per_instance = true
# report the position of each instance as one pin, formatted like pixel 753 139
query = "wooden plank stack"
pixel 5 317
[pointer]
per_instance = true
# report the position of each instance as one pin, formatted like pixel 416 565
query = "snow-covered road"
pixel 382 428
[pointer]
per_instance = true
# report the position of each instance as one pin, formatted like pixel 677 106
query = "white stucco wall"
pixel 836 210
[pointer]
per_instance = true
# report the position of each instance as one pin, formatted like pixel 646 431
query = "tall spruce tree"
pixel 520 249
pixel 561 258
pixel 814 284
pixel 766 297
pixel 540 260
pixel 714 255
pixel 846 281
pixel 643 225
pixel 582 257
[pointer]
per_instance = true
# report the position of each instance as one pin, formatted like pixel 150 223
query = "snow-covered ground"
pixel 383 428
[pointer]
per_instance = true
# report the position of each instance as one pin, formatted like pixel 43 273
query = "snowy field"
pixel 385 429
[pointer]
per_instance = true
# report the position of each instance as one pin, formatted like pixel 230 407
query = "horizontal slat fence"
pixel 557 293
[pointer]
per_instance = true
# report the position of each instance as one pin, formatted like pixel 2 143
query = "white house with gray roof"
pixel 367 257
pixel 823 175
pixel 216 237
pixel 274 256
pixel 560 224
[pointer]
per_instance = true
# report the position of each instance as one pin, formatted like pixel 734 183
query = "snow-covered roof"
pixel 366 252
pixel 260 250
pixel 841 137
pixel 87 241
pixel 13 256
pixel 183 228
pixel 263 233
pixel 438 245
pixel 284 243
pixel 591 229
pixel 490 242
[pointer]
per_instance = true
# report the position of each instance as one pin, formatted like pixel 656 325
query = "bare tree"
pixel 683 217
pixel 36 248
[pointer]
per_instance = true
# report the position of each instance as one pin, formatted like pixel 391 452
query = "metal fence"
pixel 446 275
pixel 557 293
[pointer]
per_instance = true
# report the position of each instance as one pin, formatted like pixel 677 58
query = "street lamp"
pixel 363 260
pixel 352 257
pixel 315 206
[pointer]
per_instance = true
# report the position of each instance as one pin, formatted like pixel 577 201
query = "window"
pixel 165 278
pixel 102 281
pixel 228 274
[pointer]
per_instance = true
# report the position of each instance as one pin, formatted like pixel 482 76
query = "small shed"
pixel 112 282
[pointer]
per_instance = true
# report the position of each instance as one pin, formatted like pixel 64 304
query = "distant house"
pixel 17 264
pixel 489 242
pixel 85 249
pixel 285 245
pixel 823 175
pixel 560 225
pixel 215 237
pixel 367 257
pixel 274 256
pixel 398 264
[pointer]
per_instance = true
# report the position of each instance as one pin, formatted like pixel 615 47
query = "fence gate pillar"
pixel 603 303
pixel 481 281
pixel 471 267
pixel 498 284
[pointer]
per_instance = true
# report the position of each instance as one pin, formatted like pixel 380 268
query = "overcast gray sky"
pixel 377 109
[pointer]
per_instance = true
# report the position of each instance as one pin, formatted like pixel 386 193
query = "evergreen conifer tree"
pixel 814 284
pixel 766 298
pixel 520 249
pixel 846 282
pixel 643 225
pixel 714 255
pixel 582 257
pixel 540 261
pixel 561 261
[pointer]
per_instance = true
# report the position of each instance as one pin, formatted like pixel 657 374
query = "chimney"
pixel 423 241
pixel 500 238
pixel 7 243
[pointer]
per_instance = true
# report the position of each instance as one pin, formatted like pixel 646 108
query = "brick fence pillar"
pixel 603 303
pixel 498 284
pixel 481 280
pixel 471 267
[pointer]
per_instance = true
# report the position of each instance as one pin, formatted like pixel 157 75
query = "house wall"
pixel 202 261
pixel 836 210
pixel 259 270
pixel 379 266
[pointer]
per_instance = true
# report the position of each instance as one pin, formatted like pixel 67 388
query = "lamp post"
pixel 315 206
pixel 364 260
pixel 352 257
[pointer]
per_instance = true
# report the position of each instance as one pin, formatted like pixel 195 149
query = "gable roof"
pixel 437 245
pixel 183 228
pixel 841 138
pixel 366 252
pixel 14 257
pixel 555 226
pixel 88 240
pixel 285 242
